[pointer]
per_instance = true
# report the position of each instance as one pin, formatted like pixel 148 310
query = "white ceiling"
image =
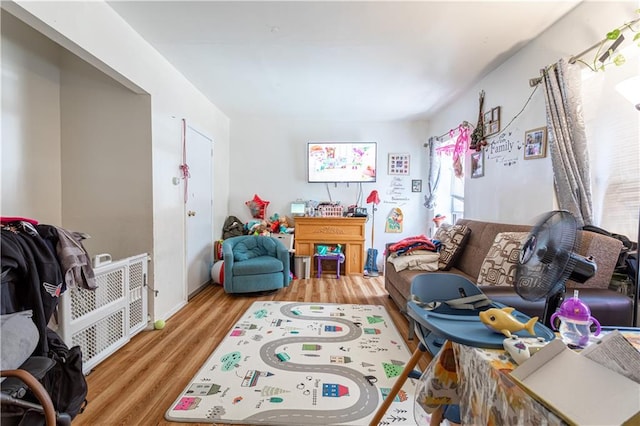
pixel 339 60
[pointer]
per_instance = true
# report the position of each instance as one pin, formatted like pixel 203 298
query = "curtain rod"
pixel 572 60
pixel 464 123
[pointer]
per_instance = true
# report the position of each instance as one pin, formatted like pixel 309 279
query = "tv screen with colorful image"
pixel 341 162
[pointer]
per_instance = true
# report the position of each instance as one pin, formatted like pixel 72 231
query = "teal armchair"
pixel 254 263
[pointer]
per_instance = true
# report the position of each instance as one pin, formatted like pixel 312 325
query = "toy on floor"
pixel 501 321
pixel 575 322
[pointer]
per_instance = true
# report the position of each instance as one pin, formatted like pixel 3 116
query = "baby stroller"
pixel 21 375
pixel 42 380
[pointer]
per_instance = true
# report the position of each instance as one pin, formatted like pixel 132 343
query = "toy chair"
pixel 254 263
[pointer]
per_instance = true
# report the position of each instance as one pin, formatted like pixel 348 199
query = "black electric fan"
pixel 548 259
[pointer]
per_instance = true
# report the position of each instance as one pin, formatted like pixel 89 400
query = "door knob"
pixel 191 213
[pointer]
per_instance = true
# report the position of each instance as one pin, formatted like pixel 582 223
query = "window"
pixel 612 127
pixel 450 192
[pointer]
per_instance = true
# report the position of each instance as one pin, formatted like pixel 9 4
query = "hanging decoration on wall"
pixel 505 149
pixel 399 164
pixel 184 167
pixel 460 147
pixel 394 221
pixel 478 136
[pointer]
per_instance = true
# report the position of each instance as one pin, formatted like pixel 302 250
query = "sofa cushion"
pixel 604 251
pixel 480 239
pixel 453 239
pixel 501 262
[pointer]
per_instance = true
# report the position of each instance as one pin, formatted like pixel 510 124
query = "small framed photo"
pixel 491 121
pixel 399 164
pixel 477 164
pixel 416 185
pixel 535 143
pixel 495 114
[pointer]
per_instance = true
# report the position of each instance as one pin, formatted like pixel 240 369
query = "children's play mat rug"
pixel 288 363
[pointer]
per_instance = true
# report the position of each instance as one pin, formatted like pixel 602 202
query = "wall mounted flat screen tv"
pixel 341 162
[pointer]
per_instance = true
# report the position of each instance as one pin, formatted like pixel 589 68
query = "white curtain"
pixel 567 140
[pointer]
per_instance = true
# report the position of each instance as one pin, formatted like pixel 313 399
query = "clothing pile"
pixel 39 263
pixel 415 253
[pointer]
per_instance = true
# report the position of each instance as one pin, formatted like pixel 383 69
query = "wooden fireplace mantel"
pixel 347 231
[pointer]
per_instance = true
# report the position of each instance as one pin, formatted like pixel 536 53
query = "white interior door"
pixel 198 211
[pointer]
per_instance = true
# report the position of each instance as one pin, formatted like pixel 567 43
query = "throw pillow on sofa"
pixel 453 239
pixel 501 262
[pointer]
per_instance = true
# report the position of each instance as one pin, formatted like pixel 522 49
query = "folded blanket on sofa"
pixel 422 260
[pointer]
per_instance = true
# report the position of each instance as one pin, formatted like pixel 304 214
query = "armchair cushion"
pixel 258 265
pixel 252 247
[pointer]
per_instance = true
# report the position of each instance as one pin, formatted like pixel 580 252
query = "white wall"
pixel 269 158
pixel 94 32
pixel 106 161
pixel 31 169
pixel 521 191
pixel 86 148
pixel 268 155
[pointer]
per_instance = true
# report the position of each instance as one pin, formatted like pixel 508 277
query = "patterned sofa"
pixel 468 254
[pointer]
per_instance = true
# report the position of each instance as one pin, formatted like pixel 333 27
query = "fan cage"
pixel 101 321
pixel 546 272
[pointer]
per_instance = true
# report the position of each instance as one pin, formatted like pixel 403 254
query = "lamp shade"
pixel 373 197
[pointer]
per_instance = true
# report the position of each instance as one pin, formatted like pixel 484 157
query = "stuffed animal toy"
pixel 260 228
pixel 285 227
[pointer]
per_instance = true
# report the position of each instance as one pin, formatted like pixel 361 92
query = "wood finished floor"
pixel 136 385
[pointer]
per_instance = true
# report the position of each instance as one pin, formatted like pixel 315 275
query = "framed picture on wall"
pixel 399 164
pixel 535 143
pixel 492 121
pixel 477 164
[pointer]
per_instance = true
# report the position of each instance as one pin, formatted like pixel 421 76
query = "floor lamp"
pixel 371 267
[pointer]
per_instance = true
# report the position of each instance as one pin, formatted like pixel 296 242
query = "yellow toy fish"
pixel 503 322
